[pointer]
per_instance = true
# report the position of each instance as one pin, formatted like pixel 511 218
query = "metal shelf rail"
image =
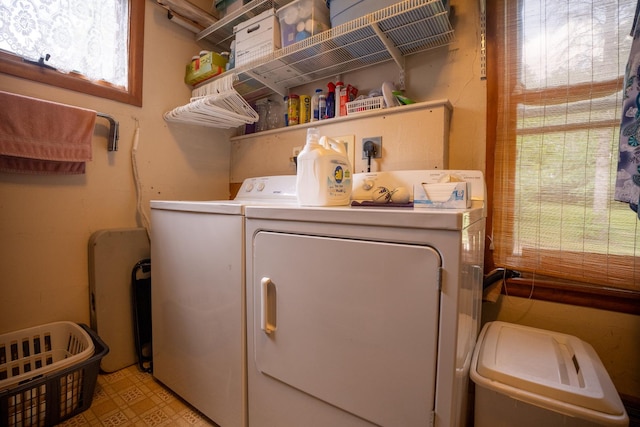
pixel 221 33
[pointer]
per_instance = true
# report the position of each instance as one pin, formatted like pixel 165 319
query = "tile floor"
pixel 130 397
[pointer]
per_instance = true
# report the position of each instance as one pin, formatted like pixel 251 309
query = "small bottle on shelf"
pixel 330 110
pixel 322 107
pixel 315 106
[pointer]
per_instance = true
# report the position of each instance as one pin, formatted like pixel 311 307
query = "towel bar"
pixel 113 131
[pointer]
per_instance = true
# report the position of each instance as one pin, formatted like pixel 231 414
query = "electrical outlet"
pixel 377 144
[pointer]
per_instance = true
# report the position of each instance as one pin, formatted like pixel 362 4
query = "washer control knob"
pixel 260 186
pixel 249 187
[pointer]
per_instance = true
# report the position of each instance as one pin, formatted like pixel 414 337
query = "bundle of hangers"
pixel 216 104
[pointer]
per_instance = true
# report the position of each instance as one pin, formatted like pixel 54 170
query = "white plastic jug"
pixel 324 176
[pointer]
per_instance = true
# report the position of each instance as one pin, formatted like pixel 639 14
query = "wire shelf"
pixel 389 34
pixel 410 26
pixel 221 33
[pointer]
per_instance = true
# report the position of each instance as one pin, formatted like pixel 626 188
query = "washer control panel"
pixel 278 187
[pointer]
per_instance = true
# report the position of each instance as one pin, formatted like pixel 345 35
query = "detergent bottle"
pixel 324 176
pixel 315 106
pixel 330 106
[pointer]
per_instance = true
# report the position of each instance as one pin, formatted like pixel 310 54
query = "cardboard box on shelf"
pixel 257 37
pixel 204 67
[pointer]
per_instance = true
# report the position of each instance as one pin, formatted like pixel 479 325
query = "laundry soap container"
pixel 324 176
pixel 530 377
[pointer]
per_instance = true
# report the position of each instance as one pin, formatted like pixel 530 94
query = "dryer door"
pixel 352 323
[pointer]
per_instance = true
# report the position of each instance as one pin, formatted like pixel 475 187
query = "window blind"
pixel 560 74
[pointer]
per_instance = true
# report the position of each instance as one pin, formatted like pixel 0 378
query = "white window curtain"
pixel 90 37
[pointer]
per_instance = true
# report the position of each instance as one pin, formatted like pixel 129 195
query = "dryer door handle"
pixel 267 305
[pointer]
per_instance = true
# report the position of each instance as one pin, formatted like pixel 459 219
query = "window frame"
pixel 15 66
pixel 529 286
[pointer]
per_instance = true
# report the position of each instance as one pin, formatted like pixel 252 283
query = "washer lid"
pixel 227 207
pixel 544 368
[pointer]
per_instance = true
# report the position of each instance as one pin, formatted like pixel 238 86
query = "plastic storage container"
pixel 59 394
pixel 324 176
pixel 342 11
pixel 531 377
pixel 364 105
pixel 302 19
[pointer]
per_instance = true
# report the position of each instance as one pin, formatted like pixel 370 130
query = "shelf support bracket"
pixel 393 50
pixel 279 89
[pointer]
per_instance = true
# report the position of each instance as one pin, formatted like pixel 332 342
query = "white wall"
pixel 46 221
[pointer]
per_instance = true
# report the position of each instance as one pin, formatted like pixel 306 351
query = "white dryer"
pixel 198 318
pixel 363 316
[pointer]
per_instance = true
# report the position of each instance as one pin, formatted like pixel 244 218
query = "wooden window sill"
pixel 620 300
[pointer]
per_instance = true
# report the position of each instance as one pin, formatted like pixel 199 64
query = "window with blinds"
pixel 560 73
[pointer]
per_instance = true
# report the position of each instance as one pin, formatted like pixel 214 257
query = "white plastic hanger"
pixel 216 104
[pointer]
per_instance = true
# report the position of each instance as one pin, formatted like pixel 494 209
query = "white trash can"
pixel 532 377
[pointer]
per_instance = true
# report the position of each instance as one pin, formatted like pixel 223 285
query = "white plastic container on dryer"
pixel 324 176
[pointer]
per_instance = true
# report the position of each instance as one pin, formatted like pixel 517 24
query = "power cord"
pixel 370 150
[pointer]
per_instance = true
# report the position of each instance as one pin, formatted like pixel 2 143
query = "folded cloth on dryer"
pixel 43 137
pixel 367 204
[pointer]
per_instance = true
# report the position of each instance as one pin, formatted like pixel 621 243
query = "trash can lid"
pixel 544 368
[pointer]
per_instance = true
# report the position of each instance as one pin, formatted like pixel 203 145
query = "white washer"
pixel 198 318
pixel 363 316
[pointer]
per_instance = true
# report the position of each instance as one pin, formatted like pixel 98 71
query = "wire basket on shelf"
pixel 364 105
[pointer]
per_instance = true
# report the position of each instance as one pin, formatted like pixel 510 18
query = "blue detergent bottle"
pixel 331 101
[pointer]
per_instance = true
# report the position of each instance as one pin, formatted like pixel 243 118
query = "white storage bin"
pixel 531 377
pixel 342 11
pixel 257 37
